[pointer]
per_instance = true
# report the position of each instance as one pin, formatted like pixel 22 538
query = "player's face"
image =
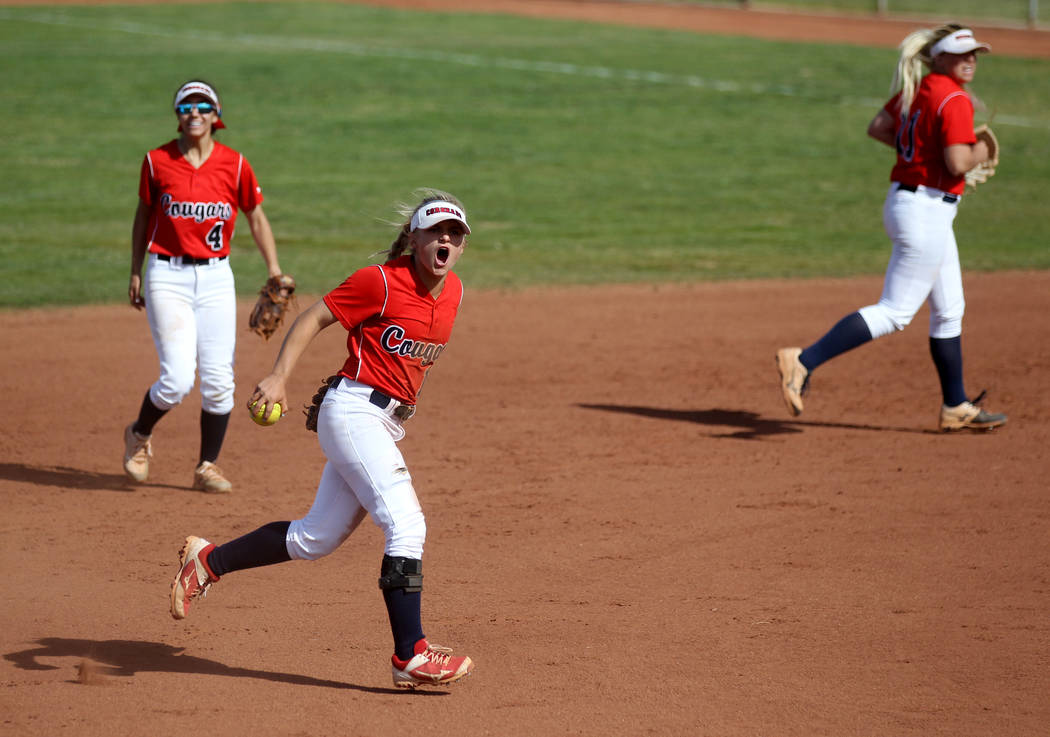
pixel 195 123
pixel 439 247
pixel 960 67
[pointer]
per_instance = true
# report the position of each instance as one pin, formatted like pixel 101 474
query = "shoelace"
pixel 438 654
pixel 142 446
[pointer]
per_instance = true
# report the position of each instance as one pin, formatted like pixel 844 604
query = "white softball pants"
pixel 365 474
pixel 924 265
pixel 192 313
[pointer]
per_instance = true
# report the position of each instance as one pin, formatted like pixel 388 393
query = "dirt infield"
pixel 834 28
pixel 625 529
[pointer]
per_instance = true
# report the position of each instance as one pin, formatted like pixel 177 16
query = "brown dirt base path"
pixel 792 26
pixel 625 529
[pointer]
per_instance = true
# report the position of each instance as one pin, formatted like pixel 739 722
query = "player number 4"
pixel 214 238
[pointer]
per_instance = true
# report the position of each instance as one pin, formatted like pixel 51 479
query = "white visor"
pixel 434 212
pixel 197 88
pixel 960 42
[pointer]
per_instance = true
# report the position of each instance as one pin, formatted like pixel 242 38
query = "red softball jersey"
pixel 941 115
pixel 396 328
pixel 193 211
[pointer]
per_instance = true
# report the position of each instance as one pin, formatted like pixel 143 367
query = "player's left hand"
pixel 275 297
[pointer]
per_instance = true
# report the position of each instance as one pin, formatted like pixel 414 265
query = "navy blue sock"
pixel 149 415
pixel 213 431
pixel 947 357
pixel 264 547
pixel 403 609
pixel 848 333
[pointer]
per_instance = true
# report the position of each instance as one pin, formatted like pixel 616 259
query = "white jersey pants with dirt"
pixel 365 474
pixel 192 313
pixel 924 265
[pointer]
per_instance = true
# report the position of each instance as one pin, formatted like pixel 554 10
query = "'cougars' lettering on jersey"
pixel 198 211
pixel 393 341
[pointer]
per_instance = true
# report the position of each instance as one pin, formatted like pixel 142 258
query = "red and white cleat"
pixel 194 579
pixel 432 665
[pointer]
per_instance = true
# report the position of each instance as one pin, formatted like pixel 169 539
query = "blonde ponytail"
pixel 914 55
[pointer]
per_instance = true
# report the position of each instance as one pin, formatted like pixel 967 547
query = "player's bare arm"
pixel 305 328
pixel 962 157
pixel 259 224
pixel 138 255
pixel 881 128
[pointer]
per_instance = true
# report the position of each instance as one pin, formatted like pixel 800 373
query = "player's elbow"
pixel 959 159
pixel 881 128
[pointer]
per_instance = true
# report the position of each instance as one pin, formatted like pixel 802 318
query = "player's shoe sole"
pixel 208 477
pixel 968 416
pixel 194 579
pixel 794 378
pixel 137 452
pixel 432 665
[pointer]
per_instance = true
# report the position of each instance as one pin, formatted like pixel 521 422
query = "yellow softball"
pixel 257 415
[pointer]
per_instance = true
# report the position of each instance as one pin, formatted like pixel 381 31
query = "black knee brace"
pixel 401 573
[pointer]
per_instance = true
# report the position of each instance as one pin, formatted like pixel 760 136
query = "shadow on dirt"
pixel 751 426
pixel 72 478
pixel 128 657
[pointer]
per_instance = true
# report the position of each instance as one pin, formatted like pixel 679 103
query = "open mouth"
pixel 442 256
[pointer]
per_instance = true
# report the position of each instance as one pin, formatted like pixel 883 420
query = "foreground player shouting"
pixel 190 190
pixel 399 316
pixel 930 124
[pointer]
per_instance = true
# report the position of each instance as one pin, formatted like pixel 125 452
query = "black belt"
pixel 950 198
pixel 401 411
pixel 190 259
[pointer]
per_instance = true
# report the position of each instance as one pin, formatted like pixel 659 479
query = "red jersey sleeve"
pixel 146 182
pixel 957 120
pixel 249 193
pixel 359 297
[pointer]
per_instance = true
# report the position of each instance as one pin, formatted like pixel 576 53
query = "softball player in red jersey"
pixel 399 317
pixel 190 191
pixel 930 124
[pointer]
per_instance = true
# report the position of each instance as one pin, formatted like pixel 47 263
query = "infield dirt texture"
pixel 625 529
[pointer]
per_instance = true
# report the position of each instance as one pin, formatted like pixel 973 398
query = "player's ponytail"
pixel 402 243
pixel 914 55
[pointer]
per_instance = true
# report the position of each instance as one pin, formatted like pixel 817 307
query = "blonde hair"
pixel 914 55
pixel 402 244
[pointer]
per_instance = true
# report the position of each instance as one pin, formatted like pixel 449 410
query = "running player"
pixel 190 190
pixel 930 124
pixel 399 316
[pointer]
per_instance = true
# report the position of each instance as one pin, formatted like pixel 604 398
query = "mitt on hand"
pixel 311 410
pixel 274 299
pixel 981 173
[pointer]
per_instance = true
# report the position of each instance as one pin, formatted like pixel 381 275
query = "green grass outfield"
pixel 584 153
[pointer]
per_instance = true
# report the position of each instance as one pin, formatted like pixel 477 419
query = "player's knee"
pixel 406 536
pixel 307 544
pixel 401 573
pixel 945 327
pixel 217 403
pixel 946 322
pixel 169 391
pixel 882 321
